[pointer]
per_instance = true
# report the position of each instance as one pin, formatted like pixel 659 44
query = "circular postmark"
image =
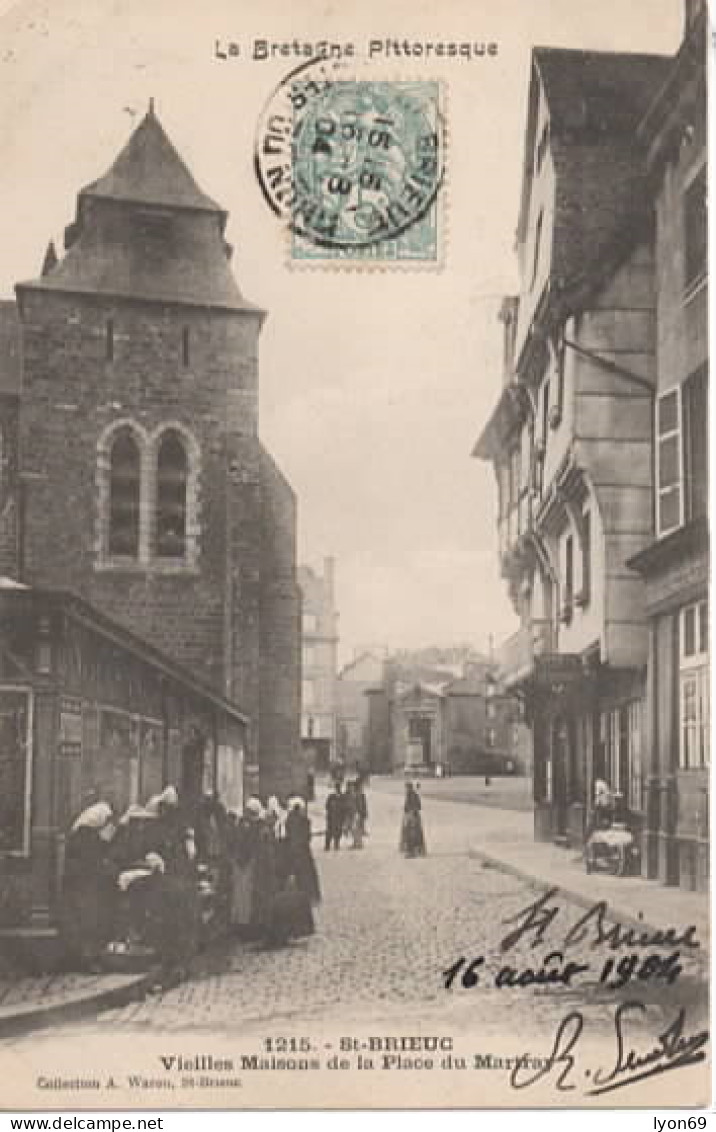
pixel 346 162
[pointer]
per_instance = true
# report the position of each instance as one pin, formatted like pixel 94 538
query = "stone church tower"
pixel 142 484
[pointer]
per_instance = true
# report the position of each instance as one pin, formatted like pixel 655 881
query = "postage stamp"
pixel 355 167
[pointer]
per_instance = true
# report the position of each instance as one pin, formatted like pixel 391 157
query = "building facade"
pixel 319 664
pixel 570 438
pixel 674 567
pixel 598 443
pixel 133 476
pixel 354 680
pixel 87 710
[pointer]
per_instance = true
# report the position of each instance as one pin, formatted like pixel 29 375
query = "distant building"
pixel 425 721
pixel 319 651
pixel 354 680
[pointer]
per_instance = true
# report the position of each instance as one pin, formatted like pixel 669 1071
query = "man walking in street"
pixel 335 814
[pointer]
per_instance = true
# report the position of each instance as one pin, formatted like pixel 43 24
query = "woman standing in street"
pixel 412 838
pixel 300 858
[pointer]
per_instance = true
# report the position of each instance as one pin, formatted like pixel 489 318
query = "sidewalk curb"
pixel 36 1017
pixel 701 956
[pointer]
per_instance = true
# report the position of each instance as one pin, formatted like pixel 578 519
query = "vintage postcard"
pixel 354 631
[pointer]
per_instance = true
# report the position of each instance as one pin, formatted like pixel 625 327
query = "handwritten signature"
pixel 673 1049
pixel 596 928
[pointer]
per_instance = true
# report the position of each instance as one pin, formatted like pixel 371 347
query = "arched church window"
pixel 124 496
pixel 172 483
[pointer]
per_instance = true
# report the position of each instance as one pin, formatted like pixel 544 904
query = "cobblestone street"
pixel 387 929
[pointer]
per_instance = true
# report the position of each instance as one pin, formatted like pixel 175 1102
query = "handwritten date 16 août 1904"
pixel 555 971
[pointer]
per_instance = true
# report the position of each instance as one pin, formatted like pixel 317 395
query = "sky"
pixel 374 386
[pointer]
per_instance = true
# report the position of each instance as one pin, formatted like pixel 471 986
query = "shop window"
pixel 635 796
pixel 15 770
pixel 695 230
pixel 623 763
pixel 668 462
pixel 171 503
pixel 693 687
pixel 124 496
pixel 624 755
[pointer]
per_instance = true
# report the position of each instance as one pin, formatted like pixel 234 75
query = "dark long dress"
pixel 242 850
pixel 175 922
pixel 300 858
pixel 85 919
pixel 412 838
pixel 265 880
pixel 134 908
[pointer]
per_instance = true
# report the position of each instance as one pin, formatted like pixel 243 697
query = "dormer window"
pixel 153 225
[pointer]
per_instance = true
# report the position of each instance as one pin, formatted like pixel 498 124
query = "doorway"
pixel 420 733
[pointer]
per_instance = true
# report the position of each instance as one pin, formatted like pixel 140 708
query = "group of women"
pixel 142 882
pixel 272 874
pixel 132 879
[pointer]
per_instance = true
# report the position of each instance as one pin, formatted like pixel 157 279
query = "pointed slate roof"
pixel 610 89
pixel 145 230
pixel 150 171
